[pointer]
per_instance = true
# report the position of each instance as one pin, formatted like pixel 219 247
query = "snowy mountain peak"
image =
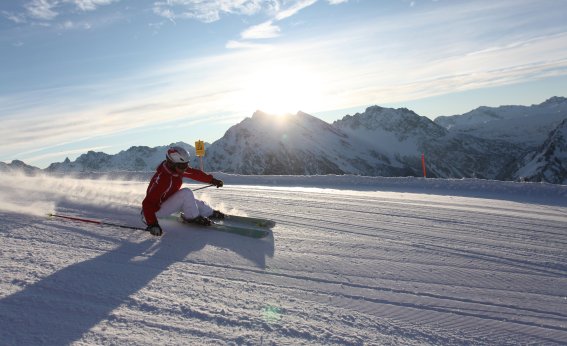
pixel 488 142
pixel 555 101
pixel 18 166
pixel 289 144
pixel 549 163
pixel 375 117
pixel 136 158
pixel 521 125
pixel 261 116
pixel 401 120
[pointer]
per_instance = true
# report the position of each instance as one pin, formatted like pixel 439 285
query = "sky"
pixel 104 75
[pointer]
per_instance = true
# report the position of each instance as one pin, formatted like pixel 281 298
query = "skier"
pixel 165 196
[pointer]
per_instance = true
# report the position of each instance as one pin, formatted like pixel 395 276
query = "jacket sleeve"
pixel 152 202
pixel 197 174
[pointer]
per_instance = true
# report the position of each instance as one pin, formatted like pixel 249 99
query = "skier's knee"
pixel 187 193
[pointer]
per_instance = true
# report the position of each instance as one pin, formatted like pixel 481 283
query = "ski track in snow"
pixel 342 267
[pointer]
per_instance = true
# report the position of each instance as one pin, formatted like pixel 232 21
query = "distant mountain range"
pixel 505 143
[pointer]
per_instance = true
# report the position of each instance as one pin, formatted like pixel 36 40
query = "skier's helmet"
pixel 177 155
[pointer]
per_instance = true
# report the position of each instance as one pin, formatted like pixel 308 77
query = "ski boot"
pixel 199 220
pixel 217 215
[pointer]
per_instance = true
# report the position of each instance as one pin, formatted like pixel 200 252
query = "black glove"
pixel 154 229
pixel 216 182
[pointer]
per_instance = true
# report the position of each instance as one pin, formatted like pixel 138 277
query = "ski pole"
pixel 204 187
pixel 102 223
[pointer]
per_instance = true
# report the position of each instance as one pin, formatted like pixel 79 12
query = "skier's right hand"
pixel 217 182
pixel 154 229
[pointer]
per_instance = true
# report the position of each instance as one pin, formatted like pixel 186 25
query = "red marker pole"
pixel 423 165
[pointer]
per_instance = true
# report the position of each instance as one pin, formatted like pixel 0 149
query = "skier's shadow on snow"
pixel 62 307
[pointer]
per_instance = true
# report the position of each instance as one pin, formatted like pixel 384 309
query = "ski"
pixel 251 229
pixel 249 220
pixel 247 232
pixel 240 230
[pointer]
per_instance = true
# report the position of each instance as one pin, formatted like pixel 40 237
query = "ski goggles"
pixel 181 165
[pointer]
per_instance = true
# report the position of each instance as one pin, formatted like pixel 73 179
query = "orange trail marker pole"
pixel 423 165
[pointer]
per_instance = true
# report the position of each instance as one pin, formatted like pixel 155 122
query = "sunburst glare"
pixel 280 90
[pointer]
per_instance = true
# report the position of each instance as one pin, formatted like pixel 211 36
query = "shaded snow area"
pixel 381 262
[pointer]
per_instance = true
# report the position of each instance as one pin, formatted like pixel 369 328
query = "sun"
pixel 280 90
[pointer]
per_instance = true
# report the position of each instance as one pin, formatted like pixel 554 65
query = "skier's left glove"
pixel 154 229
pixel 216 182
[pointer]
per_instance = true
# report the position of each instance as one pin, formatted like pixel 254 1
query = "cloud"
pixel 336 2
pixel 90 5
pixel 209 11
pixel 244 45
pixel 352 69
pixel 264 30
pixel 42 9
pixel 17 18
pixel 48 10
pixel 71 25
pixel 374 62
pixel 294 9
pixel 268 29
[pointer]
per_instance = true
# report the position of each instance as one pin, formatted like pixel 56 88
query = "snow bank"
pixel 522 191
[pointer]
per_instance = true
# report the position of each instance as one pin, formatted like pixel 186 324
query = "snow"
pixel 352 261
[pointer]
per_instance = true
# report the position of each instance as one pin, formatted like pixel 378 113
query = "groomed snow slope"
pixel 361 266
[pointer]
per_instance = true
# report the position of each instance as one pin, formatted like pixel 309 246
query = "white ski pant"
pixel 184 200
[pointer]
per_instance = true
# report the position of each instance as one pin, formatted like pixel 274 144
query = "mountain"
pixel 291 144
pixel 394 138
pixel 400 136
pixel 19 166
pixel 549 162
pixel 484 143
pixel 522 125
pixel 379 142
pixel 137 158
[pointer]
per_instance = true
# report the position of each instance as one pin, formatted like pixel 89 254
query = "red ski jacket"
pixel 165 183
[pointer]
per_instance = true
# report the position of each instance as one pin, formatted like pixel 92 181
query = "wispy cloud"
pixel 48 10
pixel 208 11
pixel 90 5
pixel 17 18
pixel 73 25
pixel 293 9
pixel 42 9
pixel 232 44
pixel 360 72
pixel 264 30
pixel 378 61
pixel 268 29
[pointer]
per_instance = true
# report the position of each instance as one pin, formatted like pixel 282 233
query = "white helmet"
pixel 177 155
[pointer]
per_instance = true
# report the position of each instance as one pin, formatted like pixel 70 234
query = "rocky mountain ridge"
pixel 505 143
